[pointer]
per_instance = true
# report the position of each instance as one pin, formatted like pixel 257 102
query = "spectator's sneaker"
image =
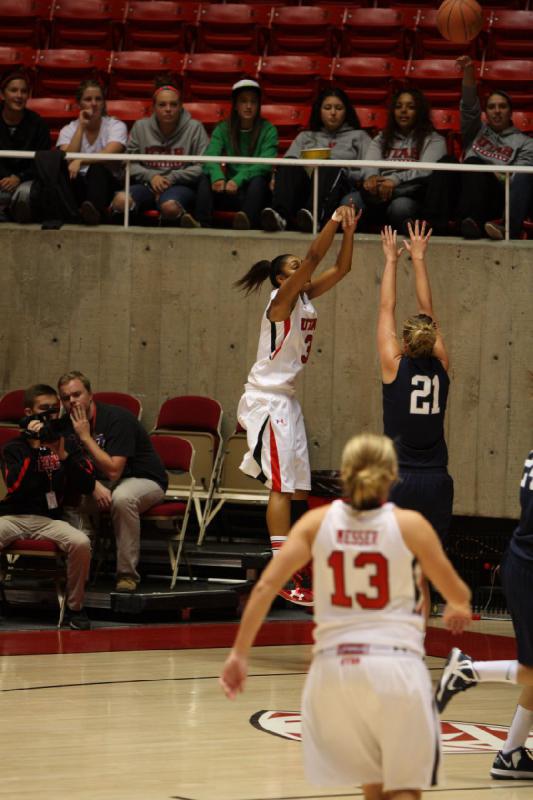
pixel 272 221
pixel 77 620
pixel 295 591
pixel 241 221
pixel 126 584
pixel 304 221
pixel 470 229
pixel 495 230
pixel 517 764
pixel 89 213
pixel 188 221
pixel 457 676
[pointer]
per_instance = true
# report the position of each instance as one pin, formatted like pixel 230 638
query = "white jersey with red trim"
pixel 284 348
pixel 365 581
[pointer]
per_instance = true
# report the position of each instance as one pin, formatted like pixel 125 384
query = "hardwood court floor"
pixel 154 725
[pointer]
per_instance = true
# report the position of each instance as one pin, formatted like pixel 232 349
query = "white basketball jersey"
pixel 284 348
pixel 365 581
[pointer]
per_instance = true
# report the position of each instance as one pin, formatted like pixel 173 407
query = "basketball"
pixel 459 21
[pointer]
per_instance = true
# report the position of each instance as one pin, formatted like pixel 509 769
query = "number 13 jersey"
pixel 284 348
pixel 365 581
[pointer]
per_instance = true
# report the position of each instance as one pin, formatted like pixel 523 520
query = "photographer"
pixel 37 467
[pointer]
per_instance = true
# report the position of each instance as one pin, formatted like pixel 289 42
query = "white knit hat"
pixel 245 83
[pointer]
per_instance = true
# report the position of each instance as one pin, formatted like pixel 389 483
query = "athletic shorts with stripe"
pixel 370 719
pixel 277 443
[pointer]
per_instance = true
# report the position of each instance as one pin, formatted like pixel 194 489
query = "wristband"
pixel 336 217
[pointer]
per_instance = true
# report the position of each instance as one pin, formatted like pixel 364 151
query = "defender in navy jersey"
pixel 461 672
pixel 367 688
pixel 268 409
pixel 415 387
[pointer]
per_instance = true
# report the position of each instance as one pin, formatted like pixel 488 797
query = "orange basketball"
pixel 459 21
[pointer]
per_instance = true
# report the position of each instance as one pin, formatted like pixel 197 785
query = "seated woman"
pixel 496 141
pixel 168 186
pixel 395 196
pixel 93 132
pixel 333 123
pixel 238 187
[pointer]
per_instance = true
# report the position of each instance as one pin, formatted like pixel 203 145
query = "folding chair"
pixel 513 76
pixel 305 29
pixel 510 34
pixel 208 113
pixel 438 78
pixel 87 23
pixel 59 72
pixel 232 28
pixel 129 111
pixel 293 79
pixel 170 517
pixel 373 120
pixel 122 399
pixel 160 25
pixel 57 111
pixel 132 73
pixel 289 121
pixel 25 22
pixel 11 408
pixel 447 122
pixel 428 41
pixel 210 76
pixel 19 559
pixel 368 80
pixel 11 57
pixel 373 31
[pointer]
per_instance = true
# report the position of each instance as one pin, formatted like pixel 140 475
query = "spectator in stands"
pixel 131 477
pixel 496 141
pixel 396 196
pixel 333 123
pixel 93 132
pixel 20 129
pixel 168 186
pixel 36 468
pixel 238 187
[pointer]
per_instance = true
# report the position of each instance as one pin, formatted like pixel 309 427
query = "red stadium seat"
pixel 523 120
pixel 87 23
pixel 209 114
pixel 289 120
pixel 59 72
pixel 11 57
pixel 429 42
pixel 510 34
pixel 11 408
pixel 293 79
pixel 232 28
pixel 305 29
pixel 25 22
pixel 121 399
pixel 439 79
pixel 514 77
pixel 57 111
pixel 210 76
pixel 373 31
pixel 132 74
pixel 368 80
pixel 160 25
pixel 372 119
pixel 129 111
pixel 447 122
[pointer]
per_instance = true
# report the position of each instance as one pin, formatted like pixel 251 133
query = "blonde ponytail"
pixel 368 468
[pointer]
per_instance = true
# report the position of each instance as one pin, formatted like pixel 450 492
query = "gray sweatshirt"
pixel 510 146
pixel 189 138
pixel 404 149
pixel 346 143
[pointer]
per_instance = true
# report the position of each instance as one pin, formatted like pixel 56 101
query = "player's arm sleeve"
pixel 16 467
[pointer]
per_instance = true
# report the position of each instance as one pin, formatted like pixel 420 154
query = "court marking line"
pixel 359 793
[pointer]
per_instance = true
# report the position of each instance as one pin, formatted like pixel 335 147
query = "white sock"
pixel 277 542
pixel 519 730
pixel 495 671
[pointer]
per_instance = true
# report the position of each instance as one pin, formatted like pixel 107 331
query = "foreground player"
pixel 367 712
pixel 461 672
pixel 268 409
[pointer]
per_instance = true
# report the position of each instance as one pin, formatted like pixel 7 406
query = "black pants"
pixel 293 190
pixel 97 185
pixel 429 491
pixel 252 197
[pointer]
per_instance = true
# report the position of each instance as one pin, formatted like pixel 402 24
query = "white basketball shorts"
pixel 370 719
pixel 277 443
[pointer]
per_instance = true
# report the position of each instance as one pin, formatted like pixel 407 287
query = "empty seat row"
pixel 331 29
pixel 291 79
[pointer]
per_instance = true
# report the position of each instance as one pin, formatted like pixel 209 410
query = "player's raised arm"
pixel 389 349
pixel 331 276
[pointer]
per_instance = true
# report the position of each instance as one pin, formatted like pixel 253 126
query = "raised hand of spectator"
pixel 218 186
pixel 464 62
pixel 10 183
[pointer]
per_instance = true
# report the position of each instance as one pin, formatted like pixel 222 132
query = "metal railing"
pixel 126 160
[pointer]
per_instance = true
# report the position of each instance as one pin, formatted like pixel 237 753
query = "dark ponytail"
pixel 259 272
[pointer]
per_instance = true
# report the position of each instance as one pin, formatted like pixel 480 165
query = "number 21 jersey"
pixel 284 348
pixel 365 580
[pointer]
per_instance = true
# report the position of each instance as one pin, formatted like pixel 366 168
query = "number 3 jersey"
pixel 414 405
pixel 365 581
pixel 284 348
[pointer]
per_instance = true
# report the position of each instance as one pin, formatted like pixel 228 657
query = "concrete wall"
pixel 153 312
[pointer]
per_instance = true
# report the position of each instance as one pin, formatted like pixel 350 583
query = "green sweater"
pixel 220 145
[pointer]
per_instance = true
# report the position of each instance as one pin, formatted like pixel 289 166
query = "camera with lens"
pixel 51 430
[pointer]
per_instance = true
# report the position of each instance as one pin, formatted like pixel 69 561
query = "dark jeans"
pixel 293 190
pixel 97 185
pixel 395 212
pixel 252 197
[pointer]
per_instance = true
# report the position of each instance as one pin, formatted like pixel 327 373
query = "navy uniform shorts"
pixel 429 491
pixel 517 582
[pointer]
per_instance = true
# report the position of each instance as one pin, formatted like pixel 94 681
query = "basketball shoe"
pixel 296 591
pixel 518 763
pixel 457 676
